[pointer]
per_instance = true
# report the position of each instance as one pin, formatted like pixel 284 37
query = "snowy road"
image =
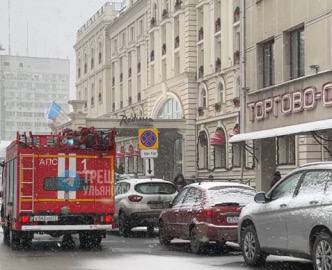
pixel 138 252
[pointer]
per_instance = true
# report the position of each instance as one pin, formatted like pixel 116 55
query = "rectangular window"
pixel 236 155
pixel 268 63
pixel 141 27
pixel 286 150
pixel 296 41
pixel 220 156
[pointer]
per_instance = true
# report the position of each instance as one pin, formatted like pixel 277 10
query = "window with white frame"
pixel 296 41
pixel 171 109
pixel 236 155
pixel 202 150
pixel 286 150
pixel 268 63
pixel 220 152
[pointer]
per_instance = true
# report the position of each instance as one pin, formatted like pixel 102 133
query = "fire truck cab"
pixel 59 185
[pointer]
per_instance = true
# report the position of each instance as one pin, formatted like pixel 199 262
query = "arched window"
pixel 218 141
pixel 171 109
pixel 221 92
pixel 236 14
pixel 202 150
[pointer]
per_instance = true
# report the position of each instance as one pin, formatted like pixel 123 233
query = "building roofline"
pixel 35 57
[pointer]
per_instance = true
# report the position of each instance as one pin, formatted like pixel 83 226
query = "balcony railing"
pixel 200 34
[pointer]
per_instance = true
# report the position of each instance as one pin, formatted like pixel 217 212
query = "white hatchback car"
pixel 292 219
pixel 139 202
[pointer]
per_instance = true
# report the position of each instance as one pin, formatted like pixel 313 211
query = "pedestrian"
pixel 179 182
pixel 276 178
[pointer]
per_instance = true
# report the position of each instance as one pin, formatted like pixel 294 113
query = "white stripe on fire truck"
pixel 72 173
pixel 61 171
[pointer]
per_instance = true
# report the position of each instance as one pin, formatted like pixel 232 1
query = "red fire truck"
pixel 59 185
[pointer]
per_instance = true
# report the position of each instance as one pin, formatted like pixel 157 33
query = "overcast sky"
pixel 52 27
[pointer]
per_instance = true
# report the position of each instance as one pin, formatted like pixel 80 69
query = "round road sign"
pixel 148 138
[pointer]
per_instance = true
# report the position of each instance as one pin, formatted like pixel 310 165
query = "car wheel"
pixel 196 245
pixel 124 228
pixel 164 238
pixel 322 252
pixel 252 253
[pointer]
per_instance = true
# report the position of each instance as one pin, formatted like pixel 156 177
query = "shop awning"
pixel 282 131
pixel 218 138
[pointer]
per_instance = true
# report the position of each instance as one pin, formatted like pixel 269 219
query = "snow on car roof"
pixel 208 185
pixel 144 180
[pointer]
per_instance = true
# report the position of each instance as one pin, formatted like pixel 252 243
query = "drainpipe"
pixel 242 115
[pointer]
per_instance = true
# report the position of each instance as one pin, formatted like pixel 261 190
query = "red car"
pixel 205 212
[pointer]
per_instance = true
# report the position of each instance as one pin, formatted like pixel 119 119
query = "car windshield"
pixel 155 188
pixel 238 195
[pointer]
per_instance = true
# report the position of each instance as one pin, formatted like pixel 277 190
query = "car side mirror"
pixel 260 197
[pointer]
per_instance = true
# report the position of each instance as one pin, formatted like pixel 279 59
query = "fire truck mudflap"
pixel 59 185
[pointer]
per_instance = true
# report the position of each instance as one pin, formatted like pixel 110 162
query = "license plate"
pixel 232 219
pixel 45 218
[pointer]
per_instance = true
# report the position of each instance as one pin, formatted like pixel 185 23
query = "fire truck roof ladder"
pixel 27 185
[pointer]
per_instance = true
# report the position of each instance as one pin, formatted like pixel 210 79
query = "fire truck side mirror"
pixel 2 164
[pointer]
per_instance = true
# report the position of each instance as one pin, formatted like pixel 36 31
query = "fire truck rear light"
pixel 135 198
pixel 25 219
pixel 108 219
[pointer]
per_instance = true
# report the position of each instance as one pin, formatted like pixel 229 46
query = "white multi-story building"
pixel 27 87
pixel 176 63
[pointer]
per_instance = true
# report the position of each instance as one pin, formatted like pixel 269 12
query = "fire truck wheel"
pixel 68 242
pixel 124 228
pixel 15 240
pixel 90 240
pixel 6 235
